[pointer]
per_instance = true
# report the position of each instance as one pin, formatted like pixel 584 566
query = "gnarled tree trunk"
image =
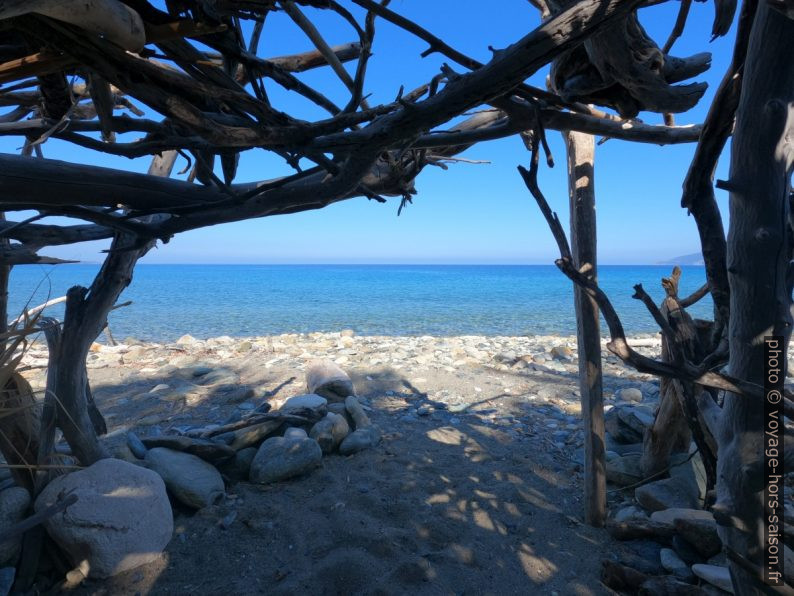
pixel 84 318
pixel 758 260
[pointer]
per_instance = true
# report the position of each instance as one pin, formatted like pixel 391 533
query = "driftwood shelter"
pixel 77 71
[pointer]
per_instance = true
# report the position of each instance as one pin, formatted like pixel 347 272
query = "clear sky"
pixel 470 213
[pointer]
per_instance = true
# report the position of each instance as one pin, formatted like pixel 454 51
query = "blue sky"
pixel 469 213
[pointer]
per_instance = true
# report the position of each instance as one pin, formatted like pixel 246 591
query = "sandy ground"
pixel 475 489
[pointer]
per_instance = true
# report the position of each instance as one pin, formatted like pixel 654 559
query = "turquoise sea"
pixel 246 300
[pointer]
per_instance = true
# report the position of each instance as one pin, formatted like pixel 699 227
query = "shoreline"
pixel 481 451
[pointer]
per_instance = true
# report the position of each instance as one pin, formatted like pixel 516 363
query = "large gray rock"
pixel 325 378
pixel 624 470
pixel 14 503
pixel 191 480
pixel 701 534
pixel 636 417
pixel 281 458
pixel 666 494
pixel 617 429
pixel 122 517
pixel 690 469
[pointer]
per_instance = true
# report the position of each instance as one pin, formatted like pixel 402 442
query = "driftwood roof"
pixel 80 71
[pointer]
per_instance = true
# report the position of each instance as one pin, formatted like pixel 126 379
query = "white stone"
pixel 308 400
pixel 122 518
pixel 716 576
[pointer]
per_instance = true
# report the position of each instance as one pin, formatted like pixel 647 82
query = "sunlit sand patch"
pixel 538 568
pixel 438 499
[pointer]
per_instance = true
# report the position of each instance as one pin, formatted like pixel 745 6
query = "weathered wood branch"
pixel 111 19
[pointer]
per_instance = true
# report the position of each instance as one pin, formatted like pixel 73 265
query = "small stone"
pixel 280 458
pixel 330 432
pixel 716 576
pixel 424 410
pixel 630 394
pixel 360 439
pixel 295 433
pixel 186 340
pixel 561 353
pixel 135 445
pixel 14 503
pixel 668 516
pixel 508 358
pixel 244 346
pixel 191 480
pixel 347 333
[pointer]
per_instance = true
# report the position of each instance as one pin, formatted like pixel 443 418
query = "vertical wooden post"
pixel 580 149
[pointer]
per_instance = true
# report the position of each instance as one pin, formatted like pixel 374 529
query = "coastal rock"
pixel 14 503
pixel 716 576
pixel 561 353
pixel 330 432
pixel 308 400
pixel 325 378
pixel 280 458
pixel 666 494
pixel 191 480
pixel 210 451
pixel 122 518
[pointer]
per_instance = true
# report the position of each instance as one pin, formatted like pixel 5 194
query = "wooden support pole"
pixel 580 148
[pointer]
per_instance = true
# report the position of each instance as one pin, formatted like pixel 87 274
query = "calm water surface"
pixel 245 300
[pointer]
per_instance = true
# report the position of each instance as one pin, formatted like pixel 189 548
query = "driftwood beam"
pixel 580 149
